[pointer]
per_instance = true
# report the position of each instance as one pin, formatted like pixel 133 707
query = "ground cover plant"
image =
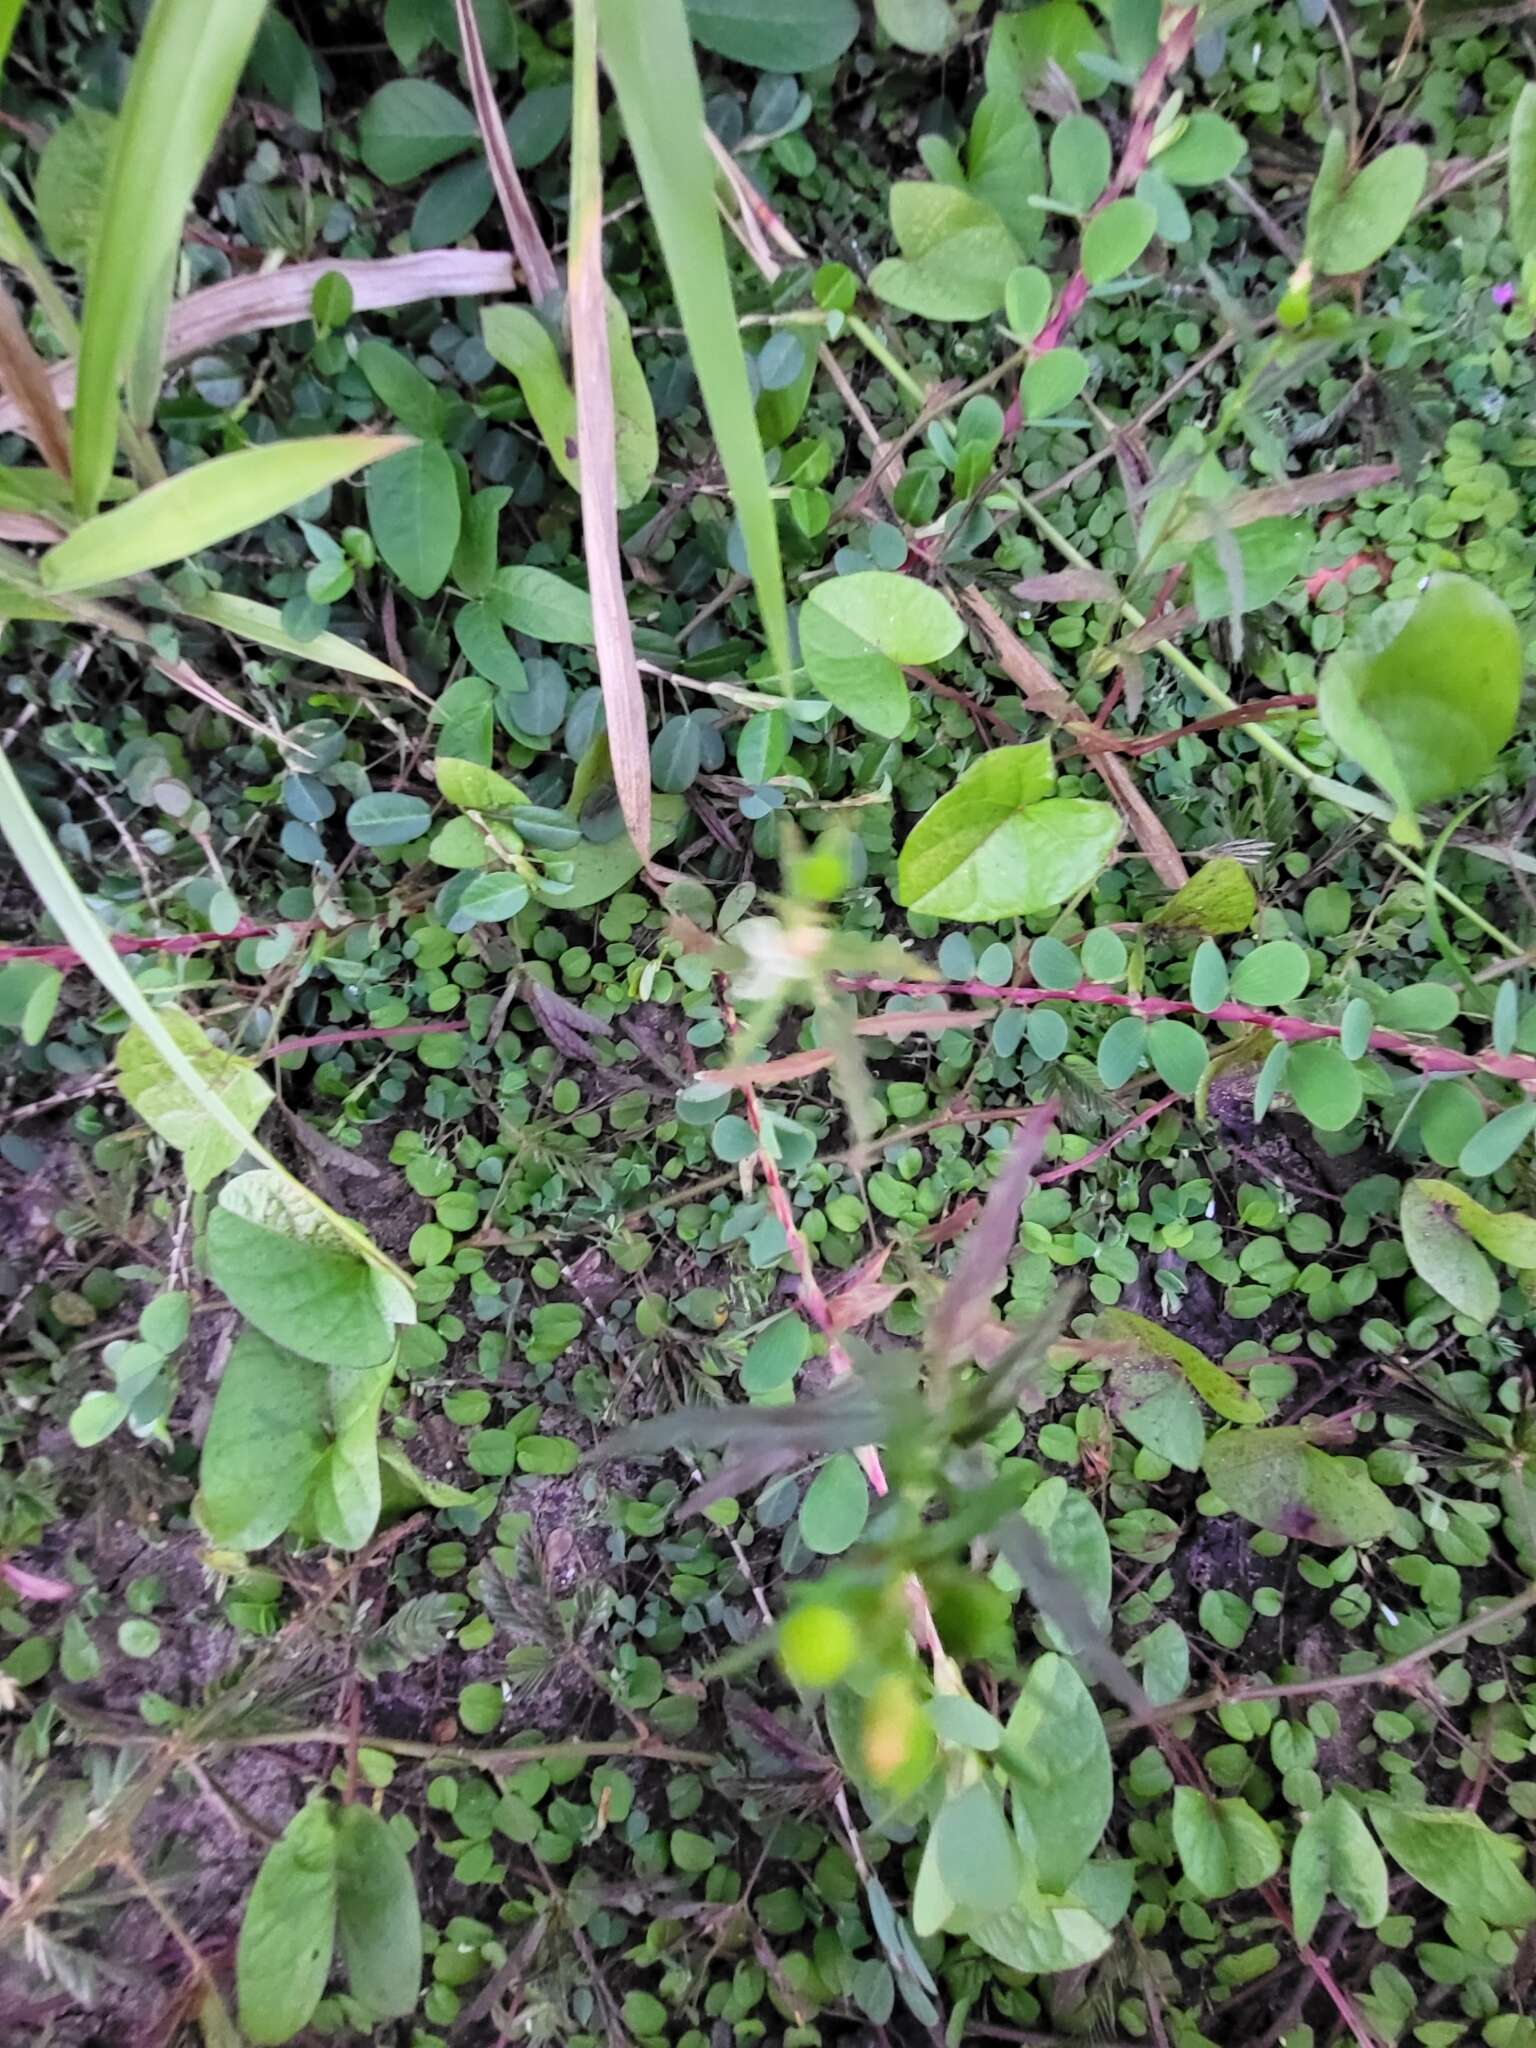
pixel 766 1138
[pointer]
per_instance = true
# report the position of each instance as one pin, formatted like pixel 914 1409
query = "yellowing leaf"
pixel 1217 898
pixel 1277 1478
pixel 469 787
pixel 1213 1383
pixel 203 505
pixel 170 1108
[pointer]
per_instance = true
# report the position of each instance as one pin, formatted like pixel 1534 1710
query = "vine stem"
pixel 1429 1059
pixel 1322 786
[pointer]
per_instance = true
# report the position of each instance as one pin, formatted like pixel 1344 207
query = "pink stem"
pixel 1429 1059
pixel 1134 158
pixel 362 1032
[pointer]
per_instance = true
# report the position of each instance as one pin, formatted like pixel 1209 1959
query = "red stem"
pixel 1429 1059
pixel 1145 102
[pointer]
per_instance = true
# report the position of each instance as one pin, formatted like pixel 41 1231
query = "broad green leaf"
pixel 651 63
pixel 1041 1934
pixel 70 185
pixel 1081 156
pixel 201 506
pixel 345 1495
pixel 1459 1858
pixel 290 1273
pixel 1027 300
pixel 1218 898
pixel 1052 381
pixel 598 872
pixel 1426 693
pixel 284 69
pixel 29 995
pixel 1353 222
pixel 521 343
pixel 977 1856
pixel 1497 1142
pixel 996 845
pixel 1179 1053
pixel 775 35
pixel 1522 173
pixel 1205 150
pixel 1213 1383
pixel 414 515
pixel 388 817
pixel 1335 1856
pixel 1277 1478
pixel 924 216
pixel 836 1506
pixel 1115 238
pixel 1153 1404
pixel 1026 44
pixel 289 1930
pixel 1273 973
pixel 1248 568
pixel 1323 1084
pixel 855 630
pixel 414 399
pixel 1224 1846
pixel 1443 1227
pixel 378 1922
pixel 1057 1757
pixel 544 606
pixel 1076 1543
pixel 263 623
pixel 469 787
pixel 922 25
pixel 266 1436
pixel 170 1109
pixel 1005 166
pixel 183 79
pixel 411 126
pixel 964 277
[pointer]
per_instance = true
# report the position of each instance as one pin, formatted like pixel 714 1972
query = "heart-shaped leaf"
pixel 1353 222
pixel 998 845
pixel 855 630
pixel 1426 693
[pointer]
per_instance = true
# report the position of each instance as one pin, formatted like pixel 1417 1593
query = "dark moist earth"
pixel 200 1840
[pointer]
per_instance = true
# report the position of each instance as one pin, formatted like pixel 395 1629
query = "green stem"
pixel 897 371
pixel 1323 786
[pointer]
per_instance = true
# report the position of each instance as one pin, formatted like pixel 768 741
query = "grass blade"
pixel 623 692
pixel 10 14
pixel 263 623
pixel 649 55
pixel 522 229
pixel 23 372
pixel 61 898
pixel 207 504
pixel 184 77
